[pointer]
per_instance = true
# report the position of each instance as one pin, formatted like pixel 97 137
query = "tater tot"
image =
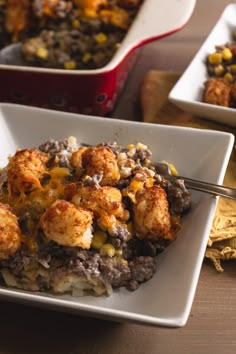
pixel 107 199
pixel 105 202
pixel 10 233
pixel 101 160
pixel 217 92
pixel 76 160
pixel 25 169
pixel 67 224
pixel 151 214
pixel 90 4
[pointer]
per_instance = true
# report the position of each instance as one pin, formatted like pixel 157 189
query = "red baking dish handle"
pixel 156 19
pixel 160 18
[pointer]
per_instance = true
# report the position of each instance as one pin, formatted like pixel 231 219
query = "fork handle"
pixel 215 189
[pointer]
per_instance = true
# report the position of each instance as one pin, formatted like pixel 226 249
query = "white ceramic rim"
pixel 175 314
pixel 193 103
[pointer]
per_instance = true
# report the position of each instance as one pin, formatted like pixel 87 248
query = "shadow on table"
pixel 31 330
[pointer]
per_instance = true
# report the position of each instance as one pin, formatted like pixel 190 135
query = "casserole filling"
pixel 66 34
pixel 85 219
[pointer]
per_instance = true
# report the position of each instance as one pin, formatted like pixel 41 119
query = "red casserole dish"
pixel 94 92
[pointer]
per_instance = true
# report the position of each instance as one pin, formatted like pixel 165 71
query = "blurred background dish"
pixel 92 91
pixel 189 90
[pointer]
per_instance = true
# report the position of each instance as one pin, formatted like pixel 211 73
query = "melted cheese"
pixel 39 199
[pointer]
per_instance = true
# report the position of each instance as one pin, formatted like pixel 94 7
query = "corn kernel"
pixel 227 54
pixel 228 77
pixel 90 13
pixel 126 215
pixel 105 15
pixel 59 172
pixel 31 243
pixel 120 18
pixel 106 221
pixel 130 228
pixel 42 53
pixel 130 146
pixel 99 238
pixel 86 57
pixel 149 183
pixel 136 185
pixel 101 38
pixel 75 23
pixel 173 170
pixel 70 65
pixel 140 146
pixel 233 67
pixel 215 58
pixel 107 250
pixel 219 70
pixel 118 252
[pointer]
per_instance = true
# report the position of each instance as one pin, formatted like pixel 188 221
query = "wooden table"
pixel 211 328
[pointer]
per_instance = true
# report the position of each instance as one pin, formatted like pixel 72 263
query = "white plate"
pixel 167 298
pixel 187 93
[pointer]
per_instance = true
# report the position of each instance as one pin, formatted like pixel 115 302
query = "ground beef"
pixel 142 269
pixel 53 146
pixel 137 248
pixel 72 259
pixel 178 196
pixel 93 181
pixel 123 183
pixel 119 236
pixel 115 270
pixel 116 148
pixel 63 260
pixel 17 263
pixel 142 156
pixel 58 150
pixel 152 249
pixel 86 263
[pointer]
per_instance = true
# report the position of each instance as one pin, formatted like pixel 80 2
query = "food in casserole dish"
pixel 85 219
pixel 220 88
pixel 66 34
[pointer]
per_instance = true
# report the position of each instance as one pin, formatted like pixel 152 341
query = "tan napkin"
pixel 156 108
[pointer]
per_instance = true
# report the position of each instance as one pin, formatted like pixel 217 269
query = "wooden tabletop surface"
pixel 211 328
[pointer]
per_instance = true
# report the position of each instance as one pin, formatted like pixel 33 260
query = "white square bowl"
pixel 167 298
pixel 188 91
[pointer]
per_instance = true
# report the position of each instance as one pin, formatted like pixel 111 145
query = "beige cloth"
pixel 156 108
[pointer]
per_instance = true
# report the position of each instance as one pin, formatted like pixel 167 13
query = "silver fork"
pixel 211 188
